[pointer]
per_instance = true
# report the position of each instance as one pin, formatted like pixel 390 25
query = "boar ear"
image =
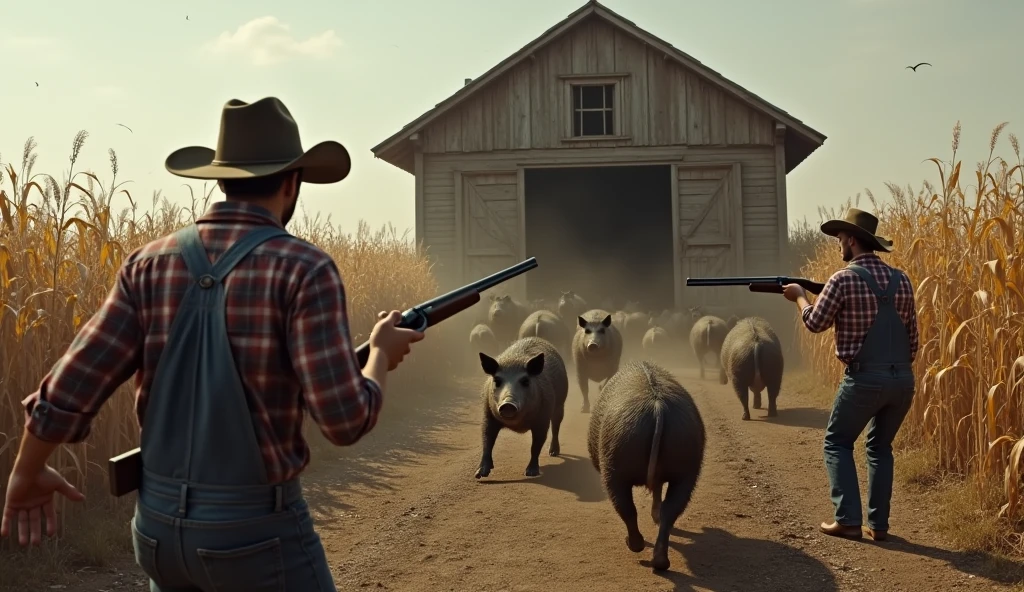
pixel 536 365
pixel 582 322
pixel 607 322
pixel 489 364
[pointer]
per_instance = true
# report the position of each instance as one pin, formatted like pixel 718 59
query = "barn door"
pixel 710 233
pixel 490 224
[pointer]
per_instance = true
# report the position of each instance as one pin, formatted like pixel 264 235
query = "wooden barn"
pixel 621 163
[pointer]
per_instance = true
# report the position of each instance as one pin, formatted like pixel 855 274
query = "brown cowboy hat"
pixel 256 140
pixel 861 224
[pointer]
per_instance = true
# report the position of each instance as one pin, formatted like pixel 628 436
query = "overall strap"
pixel 198 428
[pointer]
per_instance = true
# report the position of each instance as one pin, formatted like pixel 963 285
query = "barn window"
pixel 593 110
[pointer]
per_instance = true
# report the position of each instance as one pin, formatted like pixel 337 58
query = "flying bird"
pixel 914 68
pixel 125 127
pixel 37 84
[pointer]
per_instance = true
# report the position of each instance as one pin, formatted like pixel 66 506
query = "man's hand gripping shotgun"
pixel 764 284
pixel 125 471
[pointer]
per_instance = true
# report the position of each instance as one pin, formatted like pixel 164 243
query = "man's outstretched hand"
pixel 29 498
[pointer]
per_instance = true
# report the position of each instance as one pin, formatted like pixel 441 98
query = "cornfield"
pixel 962 246
pixel 60 247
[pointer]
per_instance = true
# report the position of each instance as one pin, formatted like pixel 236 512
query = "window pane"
pixel 577 97
pixel 609 96
pixel 577 123
pixel 593 123
pixel 593 97
pixel 609 129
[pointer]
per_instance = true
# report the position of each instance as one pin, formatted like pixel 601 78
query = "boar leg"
pixel 621 495
pixel 757 400
pixel 491 428
pixel 540 433
pixel 743 393
pixel 773 394
pixel 700 361
pixel 556 422
pixel 656 503
pixel 677 497
pixel 584 383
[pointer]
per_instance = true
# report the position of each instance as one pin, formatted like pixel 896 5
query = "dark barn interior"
pixel 604 232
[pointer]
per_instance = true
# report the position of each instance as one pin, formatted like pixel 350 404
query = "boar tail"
pixel 652 465
pixel 757 361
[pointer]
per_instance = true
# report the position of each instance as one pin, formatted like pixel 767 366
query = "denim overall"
pixel 207 519
pixel 877 388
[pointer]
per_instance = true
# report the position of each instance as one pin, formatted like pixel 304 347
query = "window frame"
pixel 620 120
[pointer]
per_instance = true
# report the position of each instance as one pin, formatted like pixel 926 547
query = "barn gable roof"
pixel 801 140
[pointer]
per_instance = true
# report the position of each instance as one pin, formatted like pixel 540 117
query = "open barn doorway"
pixel 603 232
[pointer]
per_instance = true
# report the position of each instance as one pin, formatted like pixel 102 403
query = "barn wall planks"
pixel 758 191
pixel 662 104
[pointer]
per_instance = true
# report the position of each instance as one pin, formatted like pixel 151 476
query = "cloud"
pixel 267 41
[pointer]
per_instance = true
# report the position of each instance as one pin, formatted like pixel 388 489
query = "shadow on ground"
pixel 713 557
pixel 410 426
pixel 983 565
pixel 797 417
pixel 571 473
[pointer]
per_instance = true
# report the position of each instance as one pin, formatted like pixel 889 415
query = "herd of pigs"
pixel 645 430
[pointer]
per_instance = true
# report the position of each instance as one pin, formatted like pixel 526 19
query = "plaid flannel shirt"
pixel 288 328
pixel 848 303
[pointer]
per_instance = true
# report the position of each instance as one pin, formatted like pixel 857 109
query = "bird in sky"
pixel 37 84
pixel 914 68
pixel 125 127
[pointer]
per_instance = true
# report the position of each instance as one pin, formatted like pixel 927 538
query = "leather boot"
pixel 876 535
pixel 835 529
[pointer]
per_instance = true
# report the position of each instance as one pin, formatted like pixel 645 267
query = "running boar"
pixel 505 317
pixel 634 325
pixel 524 391
pixel 482 339
pixel 656 343
pixel 547 325
pixel 752 359
pixel 570 306
pixel 596 351
pixel 646 431
pixel 706 336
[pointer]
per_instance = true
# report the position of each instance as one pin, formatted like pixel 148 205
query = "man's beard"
pixel 290 211
pixel 847 252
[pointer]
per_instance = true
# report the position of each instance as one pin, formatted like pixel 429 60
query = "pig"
pixel 656 343
pixel 547 325
pixel 482 339
pixel 634 325
pixel 570 306
pixel 525 391
pixel 707 335
pixel 505 317
pixel 596 351
pixel 646 431
pixel 751 358
pixel 676 324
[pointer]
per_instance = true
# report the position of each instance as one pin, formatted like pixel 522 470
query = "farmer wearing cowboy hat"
pixel 872 308
pixel 231 327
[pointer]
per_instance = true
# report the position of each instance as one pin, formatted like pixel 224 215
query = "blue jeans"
pixel 227 542
pixel 881 404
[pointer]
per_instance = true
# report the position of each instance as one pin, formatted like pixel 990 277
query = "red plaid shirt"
pixel 849 304
pixel 287 324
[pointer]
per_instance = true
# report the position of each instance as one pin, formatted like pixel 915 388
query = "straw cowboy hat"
pixel 256 140
pixel 861 224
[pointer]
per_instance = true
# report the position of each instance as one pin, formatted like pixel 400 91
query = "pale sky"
pixel 357 72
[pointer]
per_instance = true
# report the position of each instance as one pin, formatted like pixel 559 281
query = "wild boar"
pixel 751 358
pixel 547 325
pixel 505 317
pixel 596 351
pixel 524 390
pixel 656 343
pixel 707 336
pixel 570 306
pixel 646 431
pixel 482 339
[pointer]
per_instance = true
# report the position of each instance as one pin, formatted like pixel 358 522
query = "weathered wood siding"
pixel 662 103
pixel 759 239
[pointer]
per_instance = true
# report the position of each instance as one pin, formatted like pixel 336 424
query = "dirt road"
pixel 402 511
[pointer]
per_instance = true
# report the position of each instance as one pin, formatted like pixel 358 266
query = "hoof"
pixel 756 405
pixel 635 544
pixel 483 471
pixel 585 408
pixel 745 417
pixel 660 562
pixel 554 451
pixel 532 471
pixel 773 412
